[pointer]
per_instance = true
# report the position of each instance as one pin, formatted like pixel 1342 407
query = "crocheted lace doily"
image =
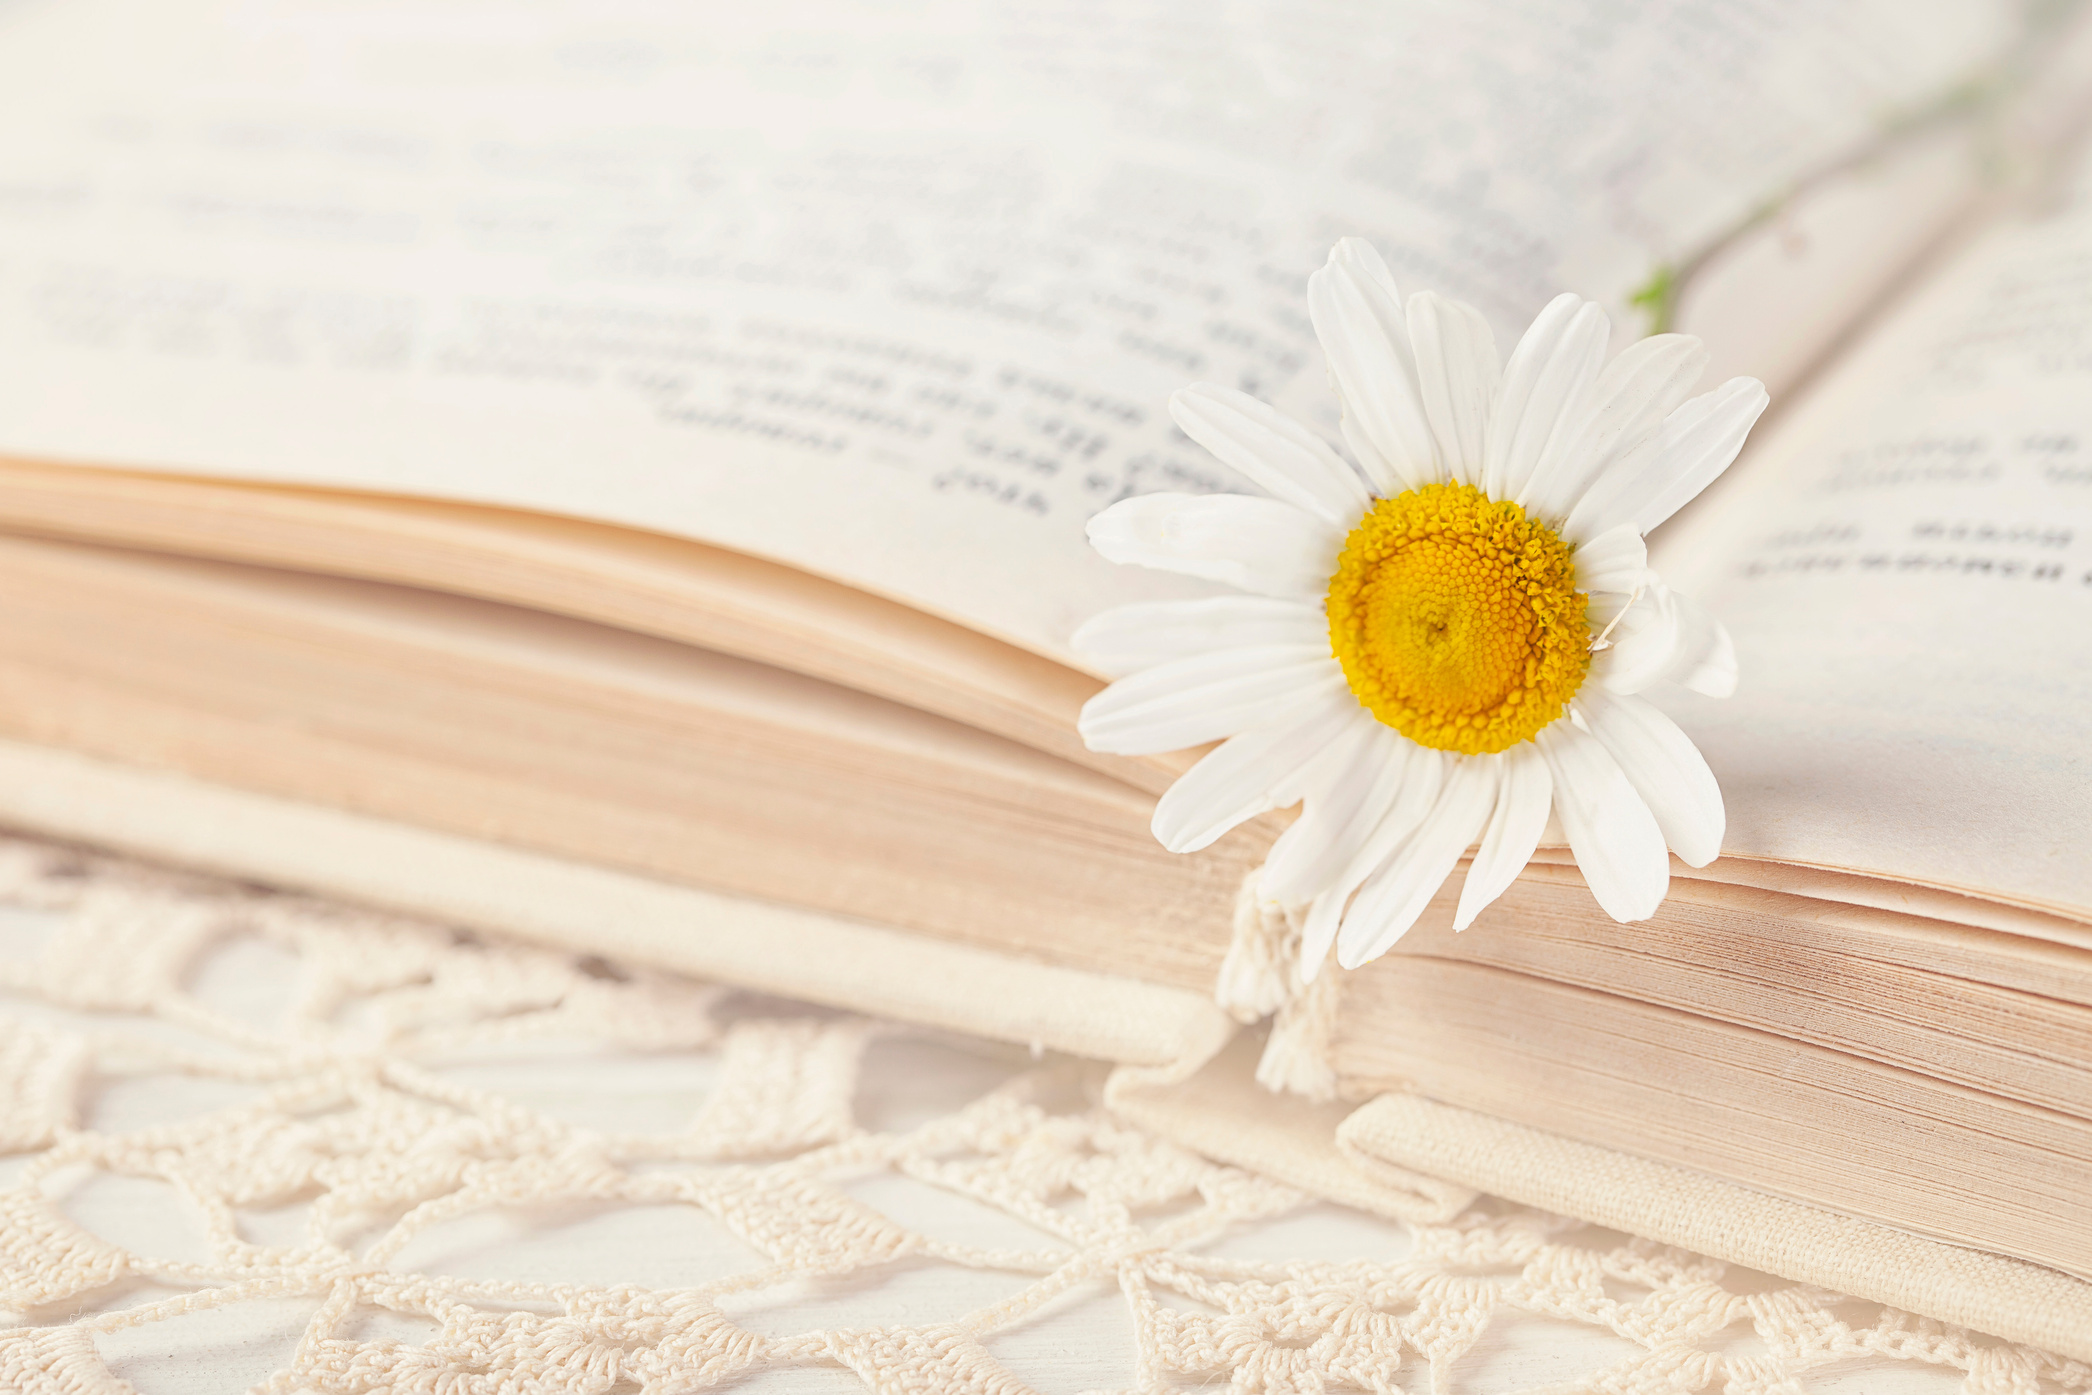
pixel 250 1140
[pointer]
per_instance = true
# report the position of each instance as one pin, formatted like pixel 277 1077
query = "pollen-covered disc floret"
pixel 1457 619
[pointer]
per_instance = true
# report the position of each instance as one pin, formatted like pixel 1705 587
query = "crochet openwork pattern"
pixel 343 1150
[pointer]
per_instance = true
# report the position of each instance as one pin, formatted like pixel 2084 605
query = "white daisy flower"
pixel 1446 643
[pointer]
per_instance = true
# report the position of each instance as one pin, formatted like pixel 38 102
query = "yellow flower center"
pixel 1457 619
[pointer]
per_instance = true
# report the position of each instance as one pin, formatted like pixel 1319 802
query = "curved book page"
pixel 640 581
pixel 893 297
pixel 1907 569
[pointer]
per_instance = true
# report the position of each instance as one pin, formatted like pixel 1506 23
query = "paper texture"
pixel 2017 1301
pixel 1900 1146
pixel 1906 567
pixel 763 275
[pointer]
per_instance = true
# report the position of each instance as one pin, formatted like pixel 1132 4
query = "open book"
pixel 620 477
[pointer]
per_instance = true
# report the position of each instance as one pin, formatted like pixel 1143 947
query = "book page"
pixel 896 295
pixel 1906 566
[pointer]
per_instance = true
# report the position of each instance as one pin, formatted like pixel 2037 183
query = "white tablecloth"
pixel 254 1141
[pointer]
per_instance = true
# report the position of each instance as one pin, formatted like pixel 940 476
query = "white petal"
pixel 1691 449
pixel 1350 754
pixel 1380 476
pixel 1665 768
pixel 1129 638
pixel 1524 798
pixel 1249 774
pixel 1665 636
pixel 1392 898
pixel 1615 560
pixel 1203 698
pixel 1423 777
pixel 1704 659
pixel 1634 394
pixel 1713 673
pixel 1546 392
pixel 1258 545
pixel 1348 792
pixel 1424 774
pixel 1319 931
pixel 1617 844
pixel 1457 368
pixel 1642 646
pixel 1272 451
pixel 1365 335
pixel 1638 657
pixel 1602 609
